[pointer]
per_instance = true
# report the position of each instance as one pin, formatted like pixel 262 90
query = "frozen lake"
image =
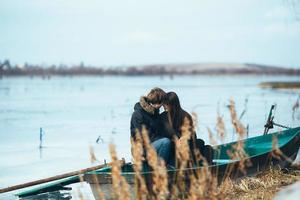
pixel 74 112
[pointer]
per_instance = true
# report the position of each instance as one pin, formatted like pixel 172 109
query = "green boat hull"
pixel 259 150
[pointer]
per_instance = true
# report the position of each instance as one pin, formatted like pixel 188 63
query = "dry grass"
pixel 211 137
pixel 92 155
pixel 220 127
pixel 138 158
pixel 159 188
pixel 238 153
pixel 119 184
pixel 264 185
pixel 238 126
pixel 295 107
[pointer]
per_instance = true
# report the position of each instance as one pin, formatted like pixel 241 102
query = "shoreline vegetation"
pixel 46 71
pixel 280 85
pixel 264 185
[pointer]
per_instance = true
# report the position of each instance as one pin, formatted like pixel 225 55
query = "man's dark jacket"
pixel 144 114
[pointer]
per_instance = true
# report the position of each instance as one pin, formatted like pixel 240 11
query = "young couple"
pixel 162 128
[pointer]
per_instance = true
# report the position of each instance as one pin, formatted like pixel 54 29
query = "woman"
pixel 172 122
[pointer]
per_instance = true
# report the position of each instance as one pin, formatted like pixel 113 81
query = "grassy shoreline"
pixel 281 85
pixel 264 185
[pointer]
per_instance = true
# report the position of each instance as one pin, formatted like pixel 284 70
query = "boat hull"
pixel 260 151
pixel 262 156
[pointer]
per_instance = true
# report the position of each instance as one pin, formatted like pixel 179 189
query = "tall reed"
pixel 238 126
pixel 119 184
pixel 220 128
pixel 138 159
pixel 159 176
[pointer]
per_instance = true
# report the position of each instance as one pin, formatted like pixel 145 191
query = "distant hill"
pixel 216 68
pixel 158 69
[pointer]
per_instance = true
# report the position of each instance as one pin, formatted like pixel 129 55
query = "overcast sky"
pixel 131 32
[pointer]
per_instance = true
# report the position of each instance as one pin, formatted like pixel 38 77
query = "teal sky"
pixel 131 32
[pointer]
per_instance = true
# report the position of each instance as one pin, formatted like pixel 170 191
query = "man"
pixel 146 113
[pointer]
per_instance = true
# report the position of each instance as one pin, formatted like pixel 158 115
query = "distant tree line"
pixel 6 69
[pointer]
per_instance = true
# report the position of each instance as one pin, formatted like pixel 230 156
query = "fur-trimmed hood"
pixel 144 115
pixel 143 104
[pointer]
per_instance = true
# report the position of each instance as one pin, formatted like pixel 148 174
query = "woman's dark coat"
pixel 166 130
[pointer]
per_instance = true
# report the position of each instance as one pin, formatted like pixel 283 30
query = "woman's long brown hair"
pixel 175 114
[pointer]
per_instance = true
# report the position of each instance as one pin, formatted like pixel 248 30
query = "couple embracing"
pixel 163 128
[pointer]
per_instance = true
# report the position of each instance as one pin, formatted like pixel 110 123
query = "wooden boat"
pixel 260 151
